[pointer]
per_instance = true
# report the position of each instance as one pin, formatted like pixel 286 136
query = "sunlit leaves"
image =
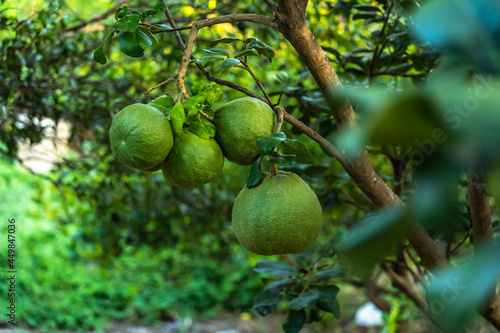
pixel 202 129
pixel 162 103
pixel 177 117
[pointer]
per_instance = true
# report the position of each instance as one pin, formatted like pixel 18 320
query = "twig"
pixel 171 30
pixel 160 84
pixel 208 117
pixel 274 167
pixel 195 27
pixel 378 51
pixel 172 23
pixel 329 148
pixel 279 99
pixel 249 70
pixel 460 244
pixel 181 88
pixel 95 19
pixel 271 4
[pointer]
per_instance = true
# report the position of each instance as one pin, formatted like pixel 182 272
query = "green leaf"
pixel 297 148
pixel 366 8
pixel 226 40
pixel 196 88
pixel 227 63
pixel 365 15
pixel 121 12
pixel 294 321
pixel 214 93
pixel 261 48
pixel 202 129
pixel 305 300
pixel 199 98
pixel 375 236
pixel 100 53
pixel 331 306
pixel 281 159
pixel 336 272
pixel 143 39
pixel 177 117
pixel 218 51
pixel 280 283
pixel 304 260
pixel 160 6
pixel 151 36
pixel 268 143
pixel 162 27
pixel 148 13
pixel 326 293
pixel 265 301
pixel 247 53
pixel 162 103
pixel 456 293
pixel 275 268
pixel 204 62
pixel 129 45
pixel 255 175
pixel 128 23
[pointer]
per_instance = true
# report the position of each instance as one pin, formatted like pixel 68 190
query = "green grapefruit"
pixel 282 215
pixel 141 136
pixel 193 161
pixel 239 124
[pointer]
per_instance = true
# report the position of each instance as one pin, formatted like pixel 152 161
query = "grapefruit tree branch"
pixel 292 23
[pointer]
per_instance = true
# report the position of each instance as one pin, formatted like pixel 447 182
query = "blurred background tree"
pixel 101 243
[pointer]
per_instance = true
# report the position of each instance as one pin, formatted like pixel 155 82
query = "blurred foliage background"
pixel 100 243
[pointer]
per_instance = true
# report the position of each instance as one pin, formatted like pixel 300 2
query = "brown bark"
pixel 482 229
pixel 479 209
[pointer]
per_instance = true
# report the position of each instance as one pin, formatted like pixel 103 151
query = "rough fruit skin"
pixel 239 124
pixel 282 215
pixel 141 136
pixel 193 161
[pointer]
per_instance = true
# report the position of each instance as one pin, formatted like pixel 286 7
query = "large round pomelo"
pixel 239 124
pixel 193 161
pixel 141 136
pixel 282 215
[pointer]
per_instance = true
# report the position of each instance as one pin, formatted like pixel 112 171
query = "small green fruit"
pixel 239 124
pixel 140 136
pixel 193 161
